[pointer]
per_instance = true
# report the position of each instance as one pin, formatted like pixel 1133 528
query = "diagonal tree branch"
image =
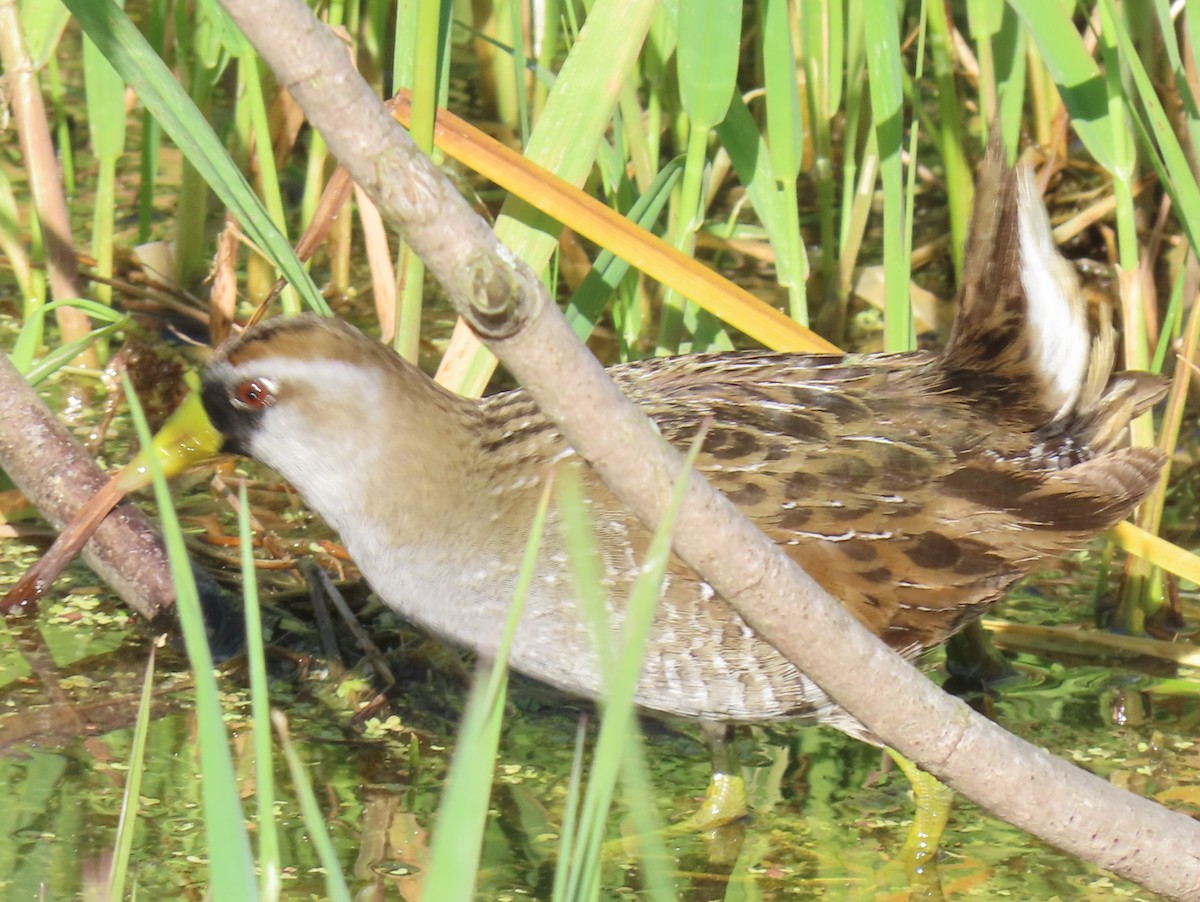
pixel 58 476
pixel 509 308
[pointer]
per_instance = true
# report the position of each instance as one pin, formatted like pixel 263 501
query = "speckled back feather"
pixel 914 487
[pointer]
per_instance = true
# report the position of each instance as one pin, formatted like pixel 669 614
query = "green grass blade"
pixel 707 50
pixel 106 127
pixel 1000 49
pixel 887 107
pixel 231 865
pixel 708 38
pixel 910 188
pixel 518 61
pixel 1179 181
pixel 570 817
pixel 587 303
pixel 64 353
pixel 1079 81
pixel 960 185
pixel 12 246
pixel 823 49
pixel 156 34
pixel 751 159
pixel 1171 322
pixel 269 865
pixel 618 725
pixel 33 327
pixel 43 24
pixel 420 33
pixel 858 166
pixel 785 142
pixel 784 127
pixel 133 788
pixel 314 821
pixel 462 813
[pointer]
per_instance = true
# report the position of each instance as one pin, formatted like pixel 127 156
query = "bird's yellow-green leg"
pixel 187 437
pixel 725 798
pixel 931 804
pixel 724 801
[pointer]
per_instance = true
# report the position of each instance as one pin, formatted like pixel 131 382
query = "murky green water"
pixel 828 821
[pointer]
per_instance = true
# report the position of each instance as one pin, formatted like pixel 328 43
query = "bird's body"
pixel 914 487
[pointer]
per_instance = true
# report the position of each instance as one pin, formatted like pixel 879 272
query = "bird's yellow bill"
pixel 186 438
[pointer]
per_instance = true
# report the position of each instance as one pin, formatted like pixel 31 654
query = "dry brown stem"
pixel 29 115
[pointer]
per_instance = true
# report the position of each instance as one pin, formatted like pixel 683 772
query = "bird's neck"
pixel 444 551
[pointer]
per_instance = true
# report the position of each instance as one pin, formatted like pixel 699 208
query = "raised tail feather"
pixel 1022 337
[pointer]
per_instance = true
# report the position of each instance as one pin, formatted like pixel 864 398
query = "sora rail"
pixel 914 487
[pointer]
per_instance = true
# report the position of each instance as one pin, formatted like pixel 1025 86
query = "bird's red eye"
pixel 254 394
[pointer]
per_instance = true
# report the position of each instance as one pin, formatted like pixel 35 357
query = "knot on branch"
pixel 502 294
